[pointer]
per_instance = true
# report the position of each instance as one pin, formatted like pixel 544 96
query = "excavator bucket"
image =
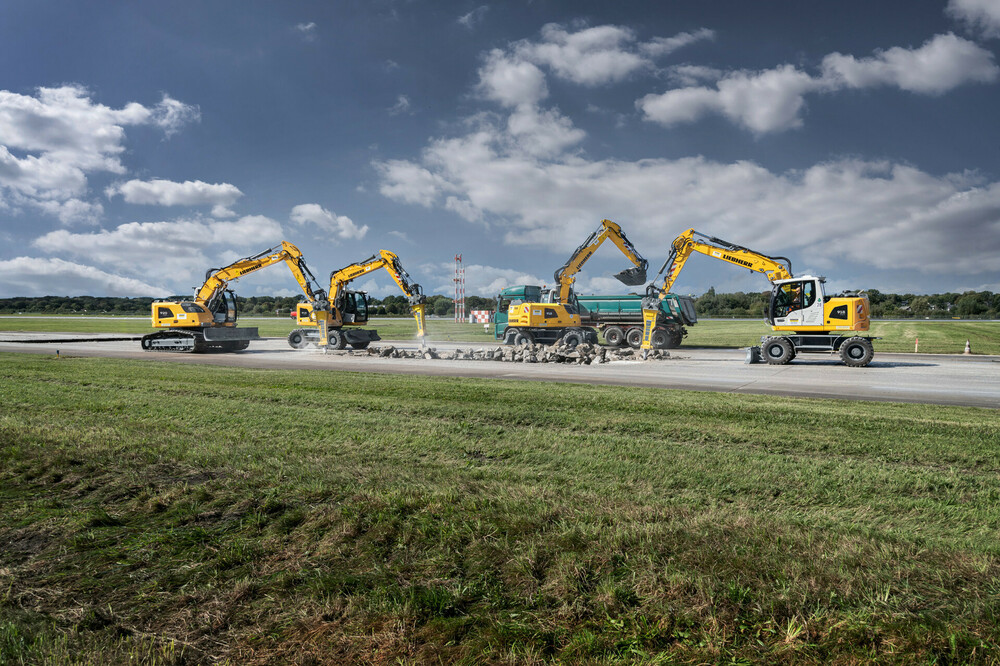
pixel 633 277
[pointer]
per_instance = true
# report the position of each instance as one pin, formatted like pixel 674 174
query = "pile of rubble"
pixel 584 354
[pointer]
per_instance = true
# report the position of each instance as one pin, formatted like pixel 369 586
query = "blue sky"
pixel 144 142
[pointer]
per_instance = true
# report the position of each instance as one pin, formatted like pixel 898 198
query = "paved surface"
pixel 935 379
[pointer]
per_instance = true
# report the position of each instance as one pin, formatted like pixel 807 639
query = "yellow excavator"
pixel 350 308
pixel 208 322
pixel 557 318
pixel 799 309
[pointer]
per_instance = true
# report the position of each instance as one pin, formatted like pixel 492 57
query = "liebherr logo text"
pixel 741 262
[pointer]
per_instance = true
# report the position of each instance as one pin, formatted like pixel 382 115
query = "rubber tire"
pixel 660 338
pixel 633 337
pixel 523 338
pixel 777 351
pixel 857 352
pixel 297 339
pixel 674 339
pixel 335 339
pixel 573 339
pixel 360 345
pixel 614 336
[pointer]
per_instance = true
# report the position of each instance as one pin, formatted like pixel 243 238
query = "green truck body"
pixel 618 317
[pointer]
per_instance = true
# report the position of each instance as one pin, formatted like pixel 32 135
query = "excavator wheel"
pixel 857 352
pixel 336 339
pixel 614 336
pixel 777 351
pixel 297 339
pixel 573 339
pixel 523 338
pixel 634 337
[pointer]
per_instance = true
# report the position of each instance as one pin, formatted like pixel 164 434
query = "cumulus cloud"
pixel 61 135
pixel 159 192
pixel 886 215
pixel 167 251
pixel 340 226
pixel 978 15
pixel 772 100
pixel 661 46
pixel 942 63
pixel 511 81
pixel 35 276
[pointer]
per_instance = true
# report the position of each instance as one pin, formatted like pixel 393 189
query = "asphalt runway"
pixel 972 381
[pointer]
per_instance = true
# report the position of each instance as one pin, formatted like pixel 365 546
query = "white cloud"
pixel 34 276
pixel 885 215
pixel 981 15
pixel 511 81
pixel 307 31
pixel 773 100
pixel 401 235
pixel 543 133
pixel 762 102
pixel 590 57
pixel 661 46
pixel 942 63
pixel 473 18
pixel 402 105
pixel 159 192
pixel 180 250
pixel 60 136
pixel 340 226
pixel 405 181
pixel 479 279
pixel 692 75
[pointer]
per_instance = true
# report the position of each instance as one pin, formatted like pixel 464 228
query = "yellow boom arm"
pixel 566 276
pixel 390 262
pixel 775 268
pixel 217 279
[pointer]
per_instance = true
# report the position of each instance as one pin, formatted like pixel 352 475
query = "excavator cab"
pixel 224 312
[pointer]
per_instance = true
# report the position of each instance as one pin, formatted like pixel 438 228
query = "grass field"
pixel 156 514
pixel 936 337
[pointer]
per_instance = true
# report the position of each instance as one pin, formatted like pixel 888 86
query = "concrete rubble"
pixel 583 354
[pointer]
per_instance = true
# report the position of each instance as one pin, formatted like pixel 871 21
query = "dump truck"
pixel 619 317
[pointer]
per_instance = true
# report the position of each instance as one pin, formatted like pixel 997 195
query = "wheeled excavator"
pixel 208 321
pixel 806 319
pixel 557 318
pixel 344 309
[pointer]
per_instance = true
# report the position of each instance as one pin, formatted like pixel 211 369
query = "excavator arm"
pixel 390 262
pixel 774 268
pixel 217 279
pixel 566 276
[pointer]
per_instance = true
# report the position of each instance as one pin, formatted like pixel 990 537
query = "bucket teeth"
pixel 633 277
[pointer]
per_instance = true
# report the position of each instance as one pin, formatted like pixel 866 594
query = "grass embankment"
pixel 936 337
pixel 182 514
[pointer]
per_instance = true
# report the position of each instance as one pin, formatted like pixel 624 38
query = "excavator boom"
pixel 566 276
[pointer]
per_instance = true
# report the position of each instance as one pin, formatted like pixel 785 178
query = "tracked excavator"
pixel 334 320
pixel 208 321
pixel 557 318
pixel 799 311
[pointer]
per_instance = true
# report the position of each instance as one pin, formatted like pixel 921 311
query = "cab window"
pixel 192 307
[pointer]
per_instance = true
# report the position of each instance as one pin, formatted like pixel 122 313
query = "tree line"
pixel 969 304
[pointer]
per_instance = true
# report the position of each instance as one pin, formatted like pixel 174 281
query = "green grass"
pixel 936 337
pixel 155 513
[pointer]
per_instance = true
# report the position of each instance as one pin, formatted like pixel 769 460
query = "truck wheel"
pixel 573 339
pixel 857 352
pixel 660 338
pixel 297 339
pixel 633 337
pixel 777 351
pixel 614 336
pixel 674 339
